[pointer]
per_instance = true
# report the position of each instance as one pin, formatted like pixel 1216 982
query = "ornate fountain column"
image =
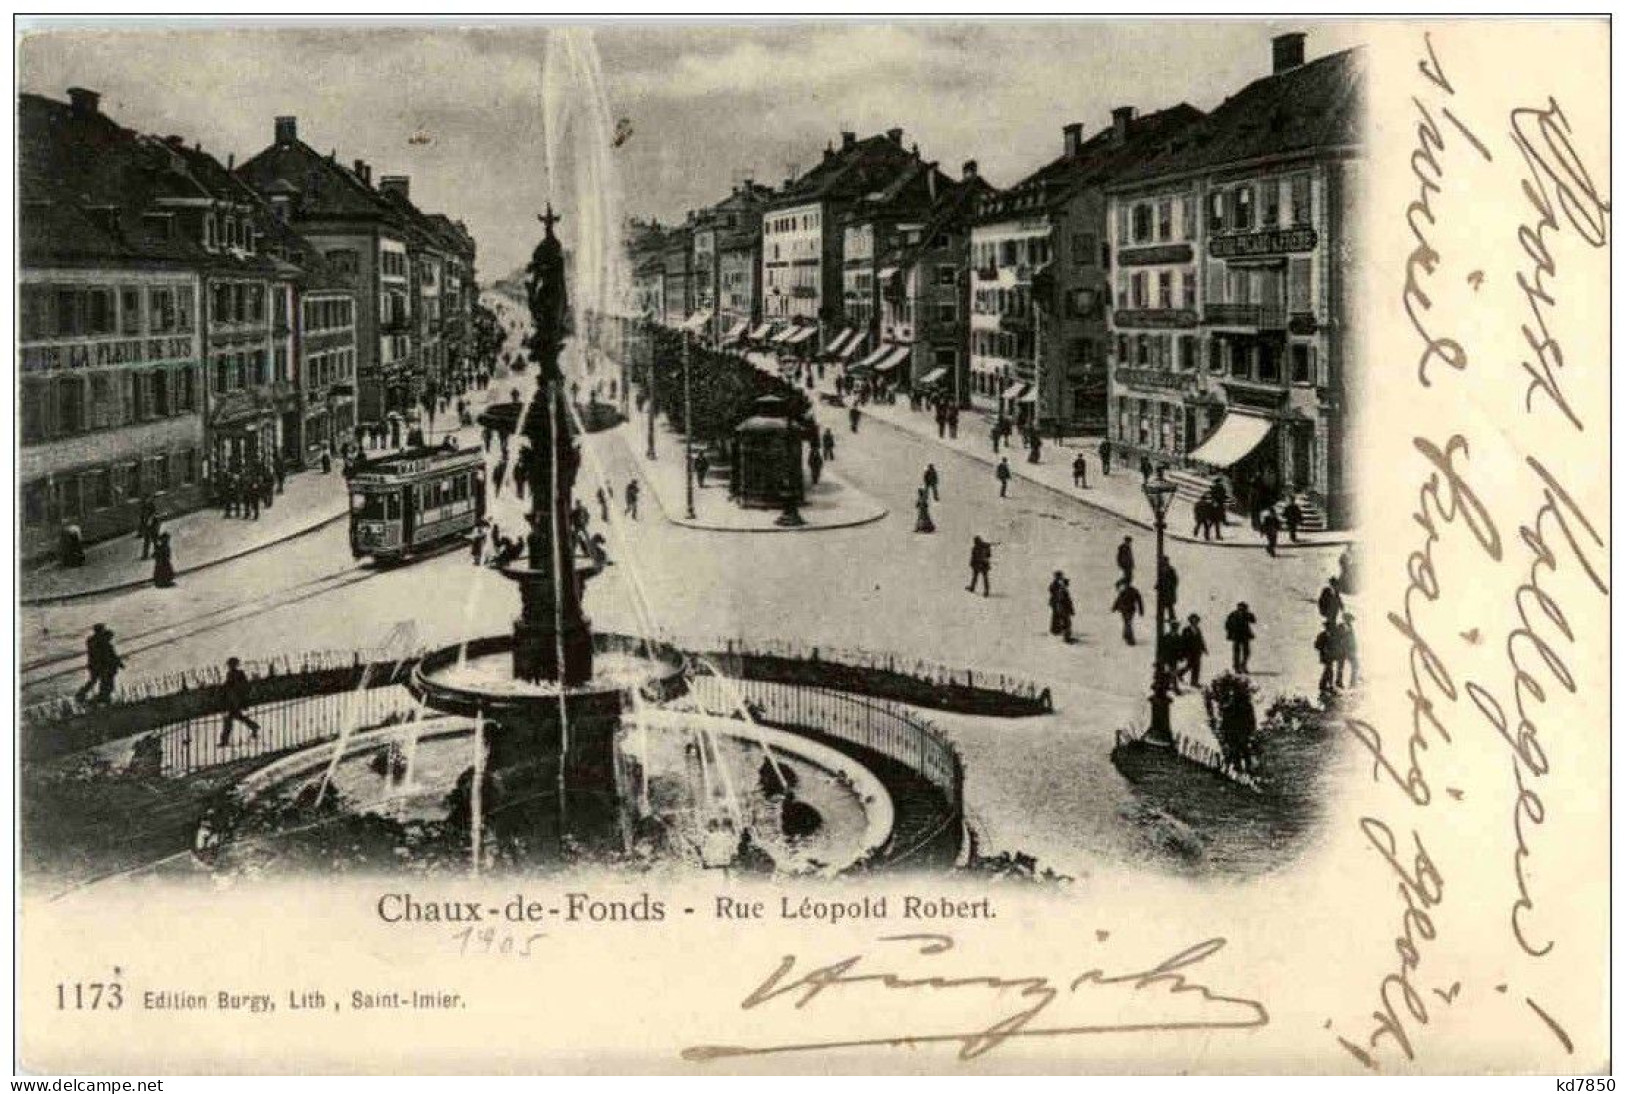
pixel 552 638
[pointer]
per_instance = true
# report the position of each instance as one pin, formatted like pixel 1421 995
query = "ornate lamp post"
pixel 1160 493
pixel 649 451
pixel 688 430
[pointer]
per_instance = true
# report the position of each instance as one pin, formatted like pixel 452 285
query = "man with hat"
pixel 236 695
pixel 102 663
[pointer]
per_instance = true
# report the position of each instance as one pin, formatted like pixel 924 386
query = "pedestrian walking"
pixel 1326 647
pixel 1238 631
pixel 1105 457
pixel 829 445
pixel 279 471
pixel 1221 501
pixel 163 563
pixel 1145 468
pixel 996 434
pixel 498 473
pixel 953 423
pixel 930 480
pixel 1204 517
pixel 981 565
pixel 1003 474
pixel 852 418
pixel 1271 527
pixel 1080 472
pixel 702 467
pixel 1168 591
pixel 603 506
pixel 476 546
pixel 1125 561
pixel 1331 601
pixel 1034 444
pixel 102 663
pixel 1348 654
pixel 815 465
pixel 922 512
pixel 1128 603
pixel 146 525
pixel 632 499
pixel 236 696
pixel 1192 648
pixel 1293 516
pixel 486 435
pixel 327 460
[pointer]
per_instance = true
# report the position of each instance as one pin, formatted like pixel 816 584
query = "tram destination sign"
pixel 1276 241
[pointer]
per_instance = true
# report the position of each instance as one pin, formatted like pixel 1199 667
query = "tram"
pixel 415 500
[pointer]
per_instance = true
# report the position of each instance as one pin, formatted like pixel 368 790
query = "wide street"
pixel 1042 785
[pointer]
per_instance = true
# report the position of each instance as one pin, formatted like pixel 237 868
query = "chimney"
pixel 848 138
pixel 968 171
pixel 1071 138
pixel 363 172
pixel 1120 119
pixel 84 102
pixel 895 136
pixel 931 181
pixel 1287 51
pixel 231 161
pixel 287 129
pixel 397 184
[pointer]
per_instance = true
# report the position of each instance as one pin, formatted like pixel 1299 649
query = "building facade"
pixel 1231 318
pixel 1040 281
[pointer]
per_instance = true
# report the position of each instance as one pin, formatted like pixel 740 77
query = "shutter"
pixel 1298 275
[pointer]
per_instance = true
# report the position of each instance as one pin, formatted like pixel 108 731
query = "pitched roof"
pixel 849 172
pixel 1099 161
pixel 955 206
pixel 1313 106
pixel 326 189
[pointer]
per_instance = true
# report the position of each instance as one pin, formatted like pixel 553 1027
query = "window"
pixel 161 310
pixel 35 410
pixel 186 389
pixel 130 311
pixel 1303 363
pixel 67 498
pixel 99 311
pixel 70 406
pixel 1083 248
pixel 35 313
pixel 102 409
pixel 126 382
pixel 220 376
pixel 1187 353
pixel 135 487
pixel 1302 202
pixel 1083 352
pixel 1244 208
pixel 1298 284
pixel 1141 223
pixel 947 276
pixel 1272 204
pixel 160 474
pixel 1216 356
pixel 1187 297
pixel 240 370
pixel 36 503
pixel 1142 350
pixel 160 393
pixel 1165 289
pixel 1187 205
pixel 1137 294
pixel 1241 362
pixel 947 311
pixel 1165 219
pixel 1269 363
pixel 183 309
pixel 189 467
pixel 1215 211
pixel 97 487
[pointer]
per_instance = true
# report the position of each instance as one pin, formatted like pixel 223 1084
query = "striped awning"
pixel 696 321
pixel 761 332
pixel 851 348
pixel 1014 391
pixel 801 335
pixel 734 332
pixel 874 357
pixel 786 334
pixel 840 340
pixel 895 355
pixel 933 376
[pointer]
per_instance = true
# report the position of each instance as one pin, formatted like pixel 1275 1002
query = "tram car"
pixel 413 501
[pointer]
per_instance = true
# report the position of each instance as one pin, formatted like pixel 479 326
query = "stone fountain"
pixel 552 694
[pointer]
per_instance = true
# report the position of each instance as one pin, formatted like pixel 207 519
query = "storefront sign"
pixel 1277 241
pixel 1154 317
pixel 123 351
pixel 1160 255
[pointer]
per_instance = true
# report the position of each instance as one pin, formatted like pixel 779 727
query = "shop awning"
pixel 1236 436
pixel 874 357
pixel 1031 396
pixel 851 348
pixel 895 356
pixel 1014 391
pixel 696 321
pixel 787 333
pixel 933 376
pixel 888 273
pixel 800 335
pixel 840 340
pixel 734 333
pixel 761 332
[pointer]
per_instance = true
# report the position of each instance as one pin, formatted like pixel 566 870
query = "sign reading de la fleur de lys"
pixel 1276 241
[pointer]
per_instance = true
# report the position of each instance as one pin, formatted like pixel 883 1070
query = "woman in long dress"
pixel 163 565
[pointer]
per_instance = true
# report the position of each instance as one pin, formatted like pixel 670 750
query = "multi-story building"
pixel 458 289
pixel 803 235
pixel 677 294
pixel 363 234
pixel 736 224
pixel 646 258
pixel 325 333
pixel 110 399
pixel 925 292
pixel 873 226
pixel 1038 291
pixel 1232 318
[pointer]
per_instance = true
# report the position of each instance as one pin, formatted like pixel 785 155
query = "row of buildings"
pixel 1177 281
pixel 179 316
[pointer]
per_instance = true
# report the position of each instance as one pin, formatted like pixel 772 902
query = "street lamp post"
pixel 1160 493
pixel 649 451
pixel 688 430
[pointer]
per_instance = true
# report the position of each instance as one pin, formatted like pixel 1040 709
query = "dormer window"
pixel 208 232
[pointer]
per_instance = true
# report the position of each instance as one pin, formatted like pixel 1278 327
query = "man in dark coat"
pixel 1080 471
pixel 1128 604
pixel 1326 643
pixel 102 663
pixel 1168 591
pixel 930 480
pixel 1331 601
pixel 1204 518
pixel 981 565
pixel 1125 561
pixel 1105 457
pixel 1003 475
pixel 632 489
pixel 1238 629
pixel 1271 527
pixel 236 696
pixel 147 525
pixel 852 417
pixel 1293 516
pixel 1192 648
pixel 829 446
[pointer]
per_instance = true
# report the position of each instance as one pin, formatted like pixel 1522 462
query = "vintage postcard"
pixel 817 546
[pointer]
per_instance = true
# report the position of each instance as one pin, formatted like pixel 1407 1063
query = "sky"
pixel 460 109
